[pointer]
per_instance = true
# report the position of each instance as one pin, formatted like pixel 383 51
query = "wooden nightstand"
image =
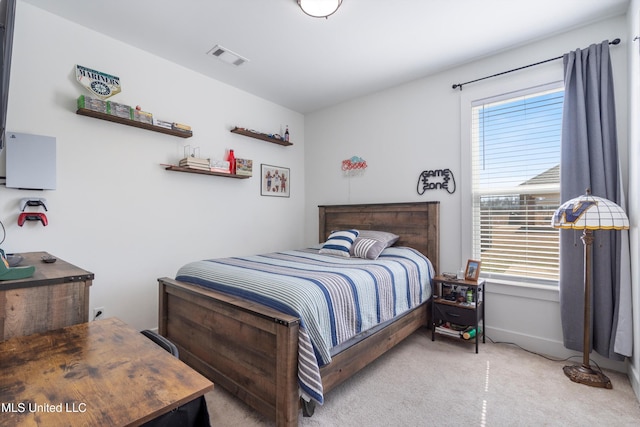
pixel 57 295
pixel 446 308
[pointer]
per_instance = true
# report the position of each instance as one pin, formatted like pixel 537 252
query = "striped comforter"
pixel 335 298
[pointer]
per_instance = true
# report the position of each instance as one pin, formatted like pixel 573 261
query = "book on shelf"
pixel 119 110
pixel 142 116
pixel 180 126
pixel 244 167
pixel 162 123
pixel 194 161
pixel 204 165
pixel 198 167
pixel 219 166
pixel 92 104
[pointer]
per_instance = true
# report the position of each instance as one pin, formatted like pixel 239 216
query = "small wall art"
pixel 354 166
pixel 436 179
pixel 275 181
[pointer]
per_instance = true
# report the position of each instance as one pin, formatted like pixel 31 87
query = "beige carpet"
pixel 444 383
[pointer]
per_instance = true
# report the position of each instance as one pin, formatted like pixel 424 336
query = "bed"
pixel 252 350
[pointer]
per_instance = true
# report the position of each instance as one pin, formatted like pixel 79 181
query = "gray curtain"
pixel 589 159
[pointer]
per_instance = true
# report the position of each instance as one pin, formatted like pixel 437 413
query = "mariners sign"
pixel 100 84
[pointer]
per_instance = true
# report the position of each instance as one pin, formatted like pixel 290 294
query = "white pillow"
pixel 339 243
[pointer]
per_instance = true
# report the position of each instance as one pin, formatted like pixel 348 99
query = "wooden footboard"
pixel 248 349
pixel 251 350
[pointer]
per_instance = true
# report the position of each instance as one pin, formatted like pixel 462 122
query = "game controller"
pixel 32 216
pixel 33 202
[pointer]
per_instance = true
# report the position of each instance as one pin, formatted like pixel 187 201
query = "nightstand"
pixel 448 307
pixel 57 295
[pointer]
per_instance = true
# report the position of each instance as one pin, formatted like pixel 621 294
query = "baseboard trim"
pixel 634 379
pixel 553 349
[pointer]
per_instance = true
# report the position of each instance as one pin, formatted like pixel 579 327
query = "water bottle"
pixel 232 162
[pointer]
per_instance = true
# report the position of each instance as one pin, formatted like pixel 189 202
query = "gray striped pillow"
pixel 383 236
pixel 367 248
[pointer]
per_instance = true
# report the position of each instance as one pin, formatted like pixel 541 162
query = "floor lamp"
pixel 589 213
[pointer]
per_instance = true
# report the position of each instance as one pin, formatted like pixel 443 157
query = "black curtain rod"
pixel 459 85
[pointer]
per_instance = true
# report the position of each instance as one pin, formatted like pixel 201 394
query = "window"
pixel 516 184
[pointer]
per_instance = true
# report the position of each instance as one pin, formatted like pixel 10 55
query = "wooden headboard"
pixel 417 223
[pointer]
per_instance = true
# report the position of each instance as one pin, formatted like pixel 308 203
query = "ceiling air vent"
pixel 226 55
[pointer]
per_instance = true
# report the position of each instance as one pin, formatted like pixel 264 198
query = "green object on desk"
pixel 14 273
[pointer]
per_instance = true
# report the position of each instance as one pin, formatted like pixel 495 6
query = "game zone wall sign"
pixel 98 83
pixel 437 179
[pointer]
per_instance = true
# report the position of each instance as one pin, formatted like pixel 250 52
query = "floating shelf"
pixel 203 172
pixel 129 122
pixel 262 136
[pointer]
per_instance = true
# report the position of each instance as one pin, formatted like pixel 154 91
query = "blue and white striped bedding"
pixel 335 298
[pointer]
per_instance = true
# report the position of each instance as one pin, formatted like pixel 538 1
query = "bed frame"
pixel 251 350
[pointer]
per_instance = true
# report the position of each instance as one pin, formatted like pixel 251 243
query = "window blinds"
pixel 516 184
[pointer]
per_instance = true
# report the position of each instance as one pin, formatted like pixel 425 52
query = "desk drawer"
pixel 458 315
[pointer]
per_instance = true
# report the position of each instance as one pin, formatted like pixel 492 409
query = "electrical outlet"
pixel 98 313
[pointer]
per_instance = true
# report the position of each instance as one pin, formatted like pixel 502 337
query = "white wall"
pixel 633 25
pixel 116 212
pixel 419 126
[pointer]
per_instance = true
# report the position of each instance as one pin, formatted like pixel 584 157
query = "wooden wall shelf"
pixel 203 172
pixel 129 122
pixel 262 136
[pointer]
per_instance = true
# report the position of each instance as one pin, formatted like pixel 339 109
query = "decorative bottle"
pixel 286 134
pixel 232 162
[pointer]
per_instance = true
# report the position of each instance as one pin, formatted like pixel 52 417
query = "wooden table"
pixel 57 295
pixel 101 373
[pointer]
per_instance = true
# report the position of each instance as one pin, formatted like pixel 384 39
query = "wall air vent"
pixel 225 55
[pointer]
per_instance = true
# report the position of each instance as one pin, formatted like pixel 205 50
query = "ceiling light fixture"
pixel 319 8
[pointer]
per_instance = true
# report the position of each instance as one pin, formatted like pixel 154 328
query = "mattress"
pixel 336 298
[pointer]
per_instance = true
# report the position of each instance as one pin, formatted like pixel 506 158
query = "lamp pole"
pixel 587 240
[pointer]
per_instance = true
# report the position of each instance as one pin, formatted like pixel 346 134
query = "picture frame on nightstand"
pixel 472 271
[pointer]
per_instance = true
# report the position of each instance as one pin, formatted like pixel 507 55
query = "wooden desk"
pixel 57 295
pixel 101 373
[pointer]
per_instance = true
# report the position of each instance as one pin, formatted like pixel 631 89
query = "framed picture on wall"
pixel 473 270
pixel 274 181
